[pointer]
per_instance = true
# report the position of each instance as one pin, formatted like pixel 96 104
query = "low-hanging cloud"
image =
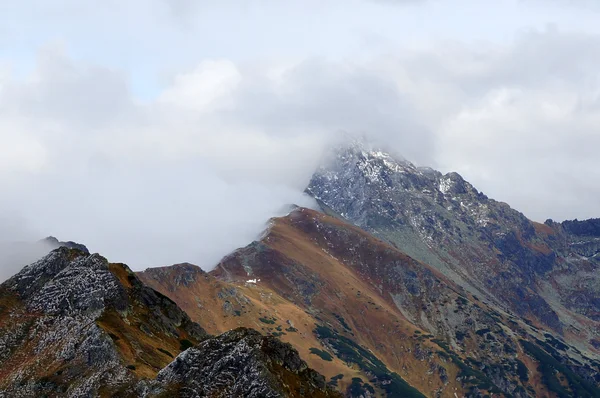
pixel 196 170
pixel 191 175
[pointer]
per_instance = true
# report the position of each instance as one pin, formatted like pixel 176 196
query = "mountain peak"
pixel 442 220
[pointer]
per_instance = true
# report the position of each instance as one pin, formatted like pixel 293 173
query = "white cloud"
pixel 206 88
pixel 195 169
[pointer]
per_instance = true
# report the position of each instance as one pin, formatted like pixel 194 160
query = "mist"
pixel 19 246
pixel 181 149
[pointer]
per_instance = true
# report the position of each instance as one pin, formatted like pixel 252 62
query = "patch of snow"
pixel 445 185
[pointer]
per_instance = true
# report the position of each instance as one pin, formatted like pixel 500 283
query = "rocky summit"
pixel 546 273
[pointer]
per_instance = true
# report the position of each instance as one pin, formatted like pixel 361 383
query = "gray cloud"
pixel 196 171
pixel 19 245
pixel 523 128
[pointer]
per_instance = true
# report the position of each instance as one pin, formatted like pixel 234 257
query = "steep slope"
pixel 483 245
pixel 221 306
pixel 241 363
pixel 73 324
pixel 370 307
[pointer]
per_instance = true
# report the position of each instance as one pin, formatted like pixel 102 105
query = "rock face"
pixel 73 324
pixel 547 273
pixel 242 363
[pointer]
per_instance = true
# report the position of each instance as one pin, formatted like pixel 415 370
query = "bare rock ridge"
pixel 73 324
pixel 546 273
pixel 242 363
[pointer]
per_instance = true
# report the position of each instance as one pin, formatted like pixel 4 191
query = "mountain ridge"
pixel 444 221
pixel 311 262
pixel 73 324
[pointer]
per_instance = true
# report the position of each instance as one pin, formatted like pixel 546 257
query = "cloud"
pixel 196 170
pixel 19 245
pixel 192 174
pixel 525 125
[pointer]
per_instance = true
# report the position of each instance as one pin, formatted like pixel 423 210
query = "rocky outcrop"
pixel 241 363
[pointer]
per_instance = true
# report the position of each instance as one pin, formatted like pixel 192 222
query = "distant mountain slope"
pixel 547 273
pixel 358 305
pixel 73 324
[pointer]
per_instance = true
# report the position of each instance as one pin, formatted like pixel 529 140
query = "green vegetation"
pixel 522 371
pixel 323 354
pixel 334 380
pixel 342 321
pixel 509 349
pixel 185 344
pixel 559 345
pixel 349 351
pixel 460 300
pixel 267 321
pixel 165 352
pixel 549 365
pixel 358 389
pixel 469 374
pixel 442 344
pixel 291 329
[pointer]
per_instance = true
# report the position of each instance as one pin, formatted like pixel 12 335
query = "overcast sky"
pixel 163 131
